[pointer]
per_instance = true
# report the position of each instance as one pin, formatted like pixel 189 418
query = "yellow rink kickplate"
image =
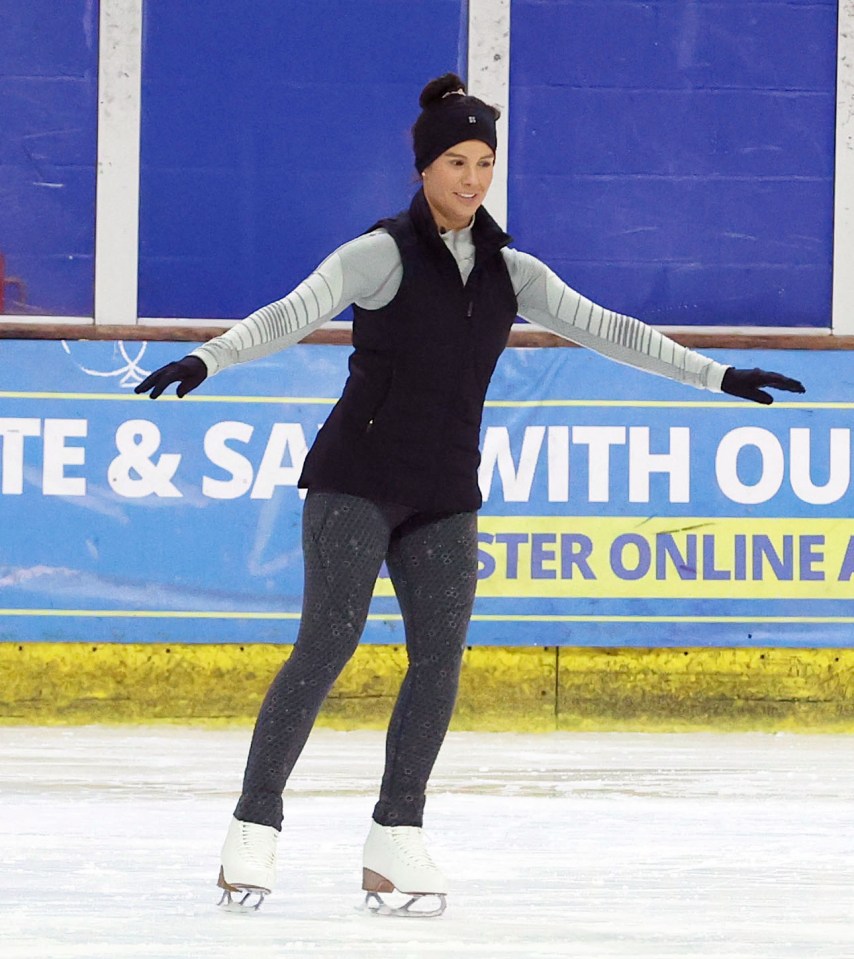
pixel 501 688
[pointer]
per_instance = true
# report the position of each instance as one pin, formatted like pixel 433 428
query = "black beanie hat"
pixel 448 116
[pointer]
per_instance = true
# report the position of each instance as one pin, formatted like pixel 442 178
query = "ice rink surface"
pixel 589 845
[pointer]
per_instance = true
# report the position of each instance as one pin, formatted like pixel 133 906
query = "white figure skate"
pixel 248 864
pixel 395 859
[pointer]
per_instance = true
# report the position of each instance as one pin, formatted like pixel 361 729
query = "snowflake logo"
pixel 125 368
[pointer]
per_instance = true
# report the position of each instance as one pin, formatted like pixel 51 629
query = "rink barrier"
pixel 501 689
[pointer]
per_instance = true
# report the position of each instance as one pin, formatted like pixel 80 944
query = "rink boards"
pixel 628 522
pixel 620 509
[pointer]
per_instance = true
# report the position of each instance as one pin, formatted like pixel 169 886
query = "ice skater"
pixel 392 474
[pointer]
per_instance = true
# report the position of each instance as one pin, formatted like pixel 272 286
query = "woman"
pixel 392 474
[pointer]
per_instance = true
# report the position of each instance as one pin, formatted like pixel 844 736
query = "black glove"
pixel 747 383
pixel 188 373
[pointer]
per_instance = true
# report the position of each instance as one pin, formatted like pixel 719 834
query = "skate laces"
pixel 409 843
pixel 258 844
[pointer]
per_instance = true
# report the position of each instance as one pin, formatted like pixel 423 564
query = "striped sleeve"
pixel 546 300
pixel 366 271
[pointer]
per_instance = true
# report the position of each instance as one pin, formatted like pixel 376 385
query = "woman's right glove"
pixel 188 373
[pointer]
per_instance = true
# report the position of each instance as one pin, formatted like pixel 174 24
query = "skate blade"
pixel 246 903
pixel 415 907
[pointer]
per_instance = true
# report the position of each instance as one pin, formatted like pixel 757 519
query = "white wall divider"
pixel 489 79
pixel 843 226
pixel 117 208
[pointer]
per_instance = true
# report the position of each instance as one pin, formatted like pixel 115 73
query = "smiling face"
pixel 456 182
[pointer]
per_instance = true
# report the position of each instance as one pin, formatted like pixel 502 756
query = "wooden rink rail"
pixel 10 329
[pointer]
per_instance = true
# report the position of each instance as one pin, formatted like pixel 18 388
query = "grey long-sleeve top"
pixel 368 271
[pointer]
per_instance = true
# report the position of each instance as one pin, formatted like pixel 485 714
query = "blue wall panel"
pixel 671 158
pixel 48 106
pixel 674 160
pixel 269 139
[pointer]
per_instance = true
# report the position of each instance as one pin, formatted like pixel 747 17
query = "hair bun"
pixel 438 88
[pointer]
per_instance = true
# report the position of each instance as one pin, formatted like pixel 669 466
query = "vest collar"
pixel 487 235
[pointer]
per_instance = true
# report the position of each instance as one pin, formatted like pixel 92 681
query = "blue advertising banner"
pixel 620 509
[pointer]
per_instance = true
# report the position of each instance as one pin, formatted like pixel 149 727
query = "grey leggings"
pixel 432 560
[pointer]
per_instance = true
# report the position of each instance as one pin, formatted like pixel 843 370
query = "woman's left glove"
pixel 188 373
pixel 747 384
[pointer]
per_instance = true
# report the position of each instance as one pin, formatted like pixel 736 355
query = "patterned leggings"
pixel 432 560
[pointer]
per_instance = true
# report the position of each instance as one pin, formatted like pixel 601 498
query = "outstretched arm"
pixel 545 299
pixel 366 271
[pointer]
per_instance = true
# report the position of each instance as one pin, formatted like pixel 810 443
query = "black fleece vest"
pixel 407 427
